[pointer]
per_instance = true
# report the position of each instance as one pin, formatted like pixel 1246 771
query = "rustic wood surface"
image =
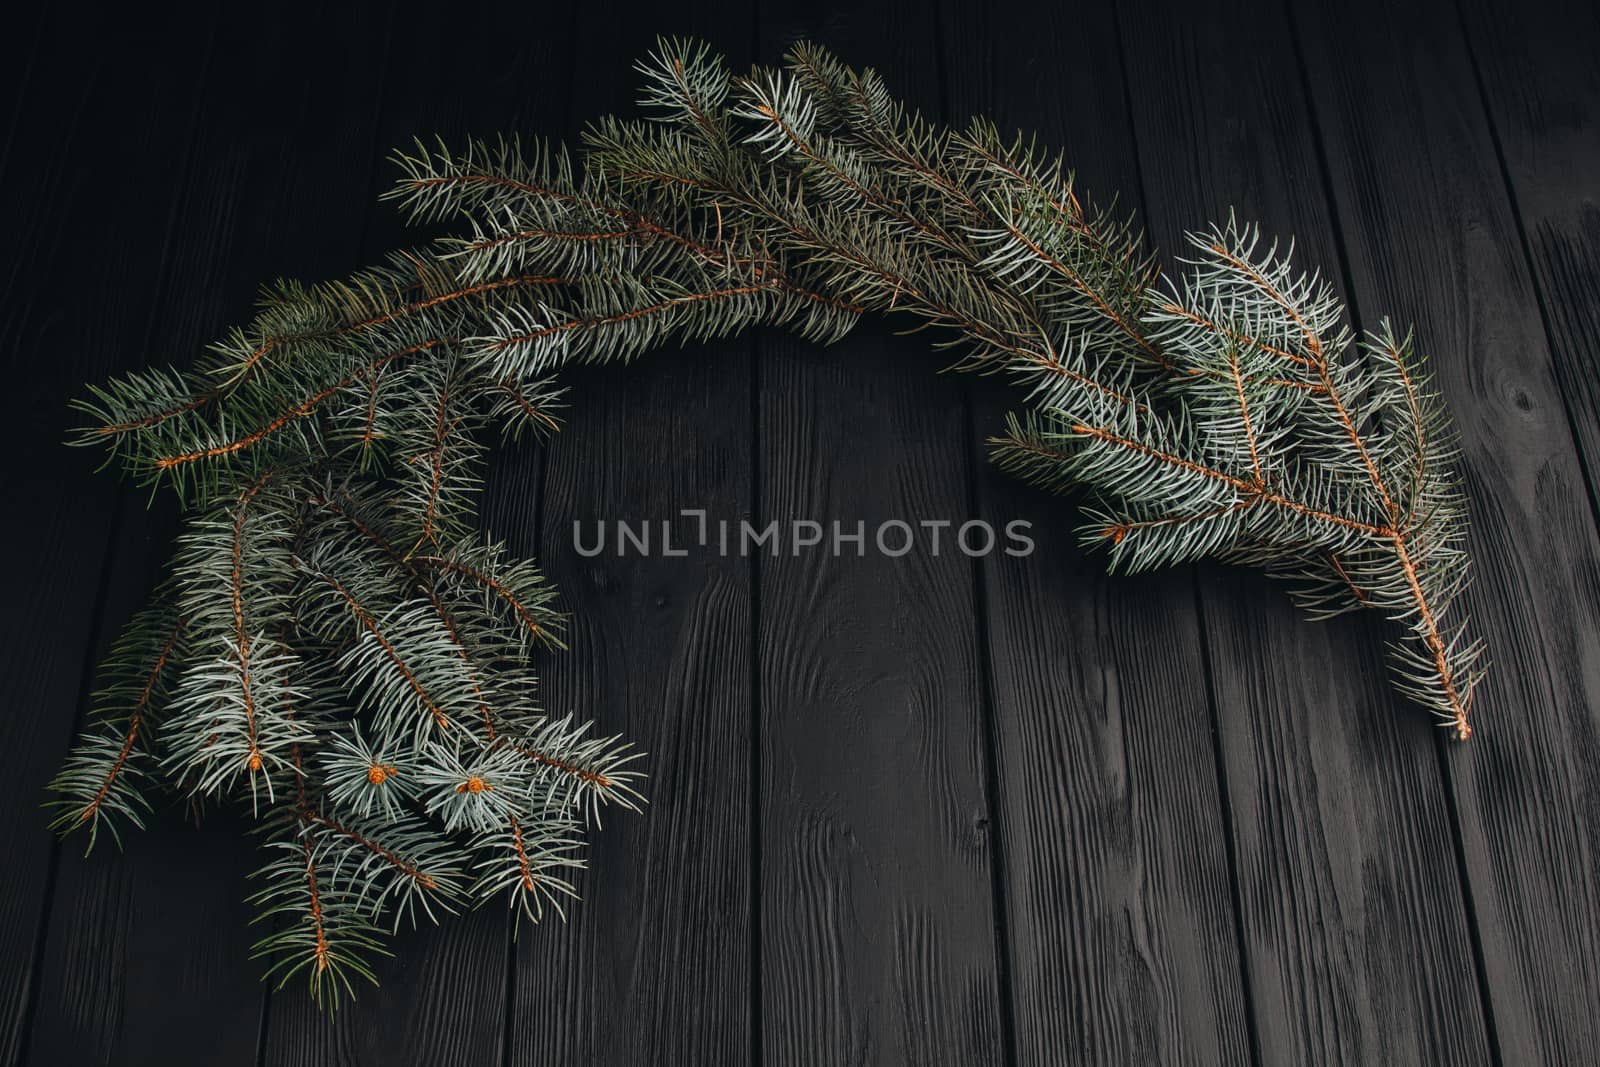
pixel 925 809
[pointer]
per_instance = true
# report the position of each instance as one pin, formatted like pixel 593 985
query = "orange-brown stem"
pixel 368 623
pixel 135 720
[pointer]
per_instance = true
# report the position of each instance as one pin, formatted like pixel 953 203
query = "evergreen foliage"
pixel 340 651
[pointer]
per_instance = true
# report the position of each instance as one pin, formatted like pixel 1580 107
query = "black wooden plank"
pixel 1356 933
pixel 78 297
pixel 877 927
pixel 1124 945
pixel 877 917
pixel 659 652
pixel 653 964
pixel 1432 238
pixel 1541 84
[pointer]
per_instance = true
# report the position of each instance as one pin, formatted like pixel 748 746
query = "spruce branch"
pixel 342 652
pixel 102 782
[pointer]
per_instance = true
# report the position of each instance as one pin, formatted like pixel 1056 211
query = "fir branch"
pixel 102 781
pixel 359 664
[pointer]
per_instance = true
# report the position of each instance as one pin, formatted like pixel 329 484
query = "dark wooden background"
pixel 916 810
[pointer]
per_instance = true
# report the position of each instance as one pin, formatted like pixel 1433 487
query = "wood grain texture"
pixel 1541 85
pixel 877 918
pixel 653 965
pixel 1124 945
pixel 1431 239
pixel 1355 928
pixel 659 653
pixel 76 113
pixel 877 928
